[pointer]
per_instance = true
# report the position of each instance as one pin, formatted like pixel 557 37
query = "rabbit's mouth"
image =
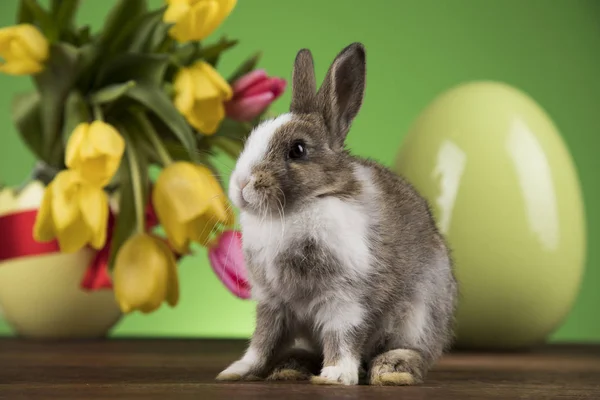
pixel 260 202
pixel 257 193
pixel 250 197
pixel 254 201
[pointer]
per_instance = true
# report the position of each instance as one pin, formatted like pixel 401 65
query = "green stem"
pixel 138 191
pixel 158 145
pixel 98 114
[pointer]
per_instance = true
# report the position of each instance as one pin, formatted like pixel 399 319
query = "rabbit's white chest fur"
pixel 340 227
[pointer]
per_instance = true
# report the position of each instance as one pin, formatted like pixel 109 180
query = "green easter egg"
pixel 504 191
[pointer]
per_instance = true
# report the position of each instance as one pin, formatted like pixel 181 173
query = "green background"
pixel 416 49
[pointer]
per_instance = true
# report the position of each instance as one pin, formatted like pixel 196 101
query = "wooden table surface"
pixel 185 369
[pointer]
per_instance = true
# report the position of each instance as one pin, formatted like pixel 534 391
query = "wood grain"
pixel 185 369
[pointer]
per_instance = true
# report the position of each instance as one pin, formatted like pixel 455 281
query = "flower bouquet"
pixel 142 92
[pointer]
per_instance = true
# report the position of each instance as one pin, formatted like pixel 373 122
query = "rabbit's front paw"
pixel 337 375
pixel 239 370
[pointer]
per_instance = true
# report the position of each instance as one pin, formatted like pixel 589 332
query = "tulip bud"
pixel 190 204
pixel 227 260
pixel 95 150
pixel 252 94
pixel 199 95
pixel 196 19
pixel 24 50
pixel 74 212
pixel 145 274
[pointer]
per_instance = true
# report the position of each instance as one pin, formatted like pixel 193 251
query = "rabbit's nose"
pixel 243 182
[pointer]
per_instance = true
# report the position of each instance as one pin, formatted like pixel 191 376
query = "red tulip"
pixel 252 94
pixel 227 260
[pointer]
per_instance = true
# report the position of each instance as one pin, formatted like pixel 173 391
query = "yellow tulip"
pixel 200 94
pixel 190 204
pixel 95 150
pixel 24 50
pixel 72 211
pixel 196 19
pixel 145 274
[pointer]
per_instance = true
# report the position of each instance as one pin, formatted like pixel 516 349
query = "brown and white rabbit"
pixel 346 264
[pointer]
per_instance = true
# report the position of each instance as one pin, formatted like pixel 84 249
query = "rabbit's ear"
pixel 340 97
pixel 303 84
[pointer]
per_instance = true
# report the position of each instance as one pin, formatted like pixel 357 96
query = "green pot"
pixel 504 191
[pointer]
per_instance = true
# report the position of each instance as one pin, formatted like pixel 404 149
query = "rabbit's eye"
pixel 297 150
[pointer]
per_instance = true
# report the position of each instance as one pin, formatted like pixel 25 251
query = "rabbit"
pixel 350 275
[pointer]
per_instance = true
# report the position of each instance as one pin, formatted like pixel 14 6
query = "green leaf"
pixel 133 191
pixel 207 162
pixel 234 130
pixel 211 53
pixel 139 42
pixel 169 89
pixel 54 85
pixel 54 5
pixel 246 67
pixel 84 35
pixel 111 93
pixel 87 56
pixel 157 101
pixel 76 112
pixel 147 68
pixel 177 151
pixel 184 55
pixel 124 12
pixel 26 116
pixel 63 12
pixel 160 39
pixel 43 18
pixel 149 153
pixel 231 147
pixel 121 41
pixel 88 63
pixel 25 15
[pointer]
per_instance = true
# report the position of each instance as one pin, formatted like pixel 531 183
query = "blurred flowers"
pixel 74 212
pixel 75 208
pixel 24 50
pixel 252 94
pixel 190 204
pixel 227 260
pixel 95 150
pixel 106 106
pixel 145 274
pixel 196 19
pixel 199 95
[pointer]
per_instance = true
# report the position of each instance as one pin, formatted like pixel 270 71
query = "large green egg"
pixel 504 191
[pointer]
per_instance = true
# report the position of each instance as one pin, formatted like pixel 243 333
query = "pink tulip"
pixel 252 94
pixel 227 260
